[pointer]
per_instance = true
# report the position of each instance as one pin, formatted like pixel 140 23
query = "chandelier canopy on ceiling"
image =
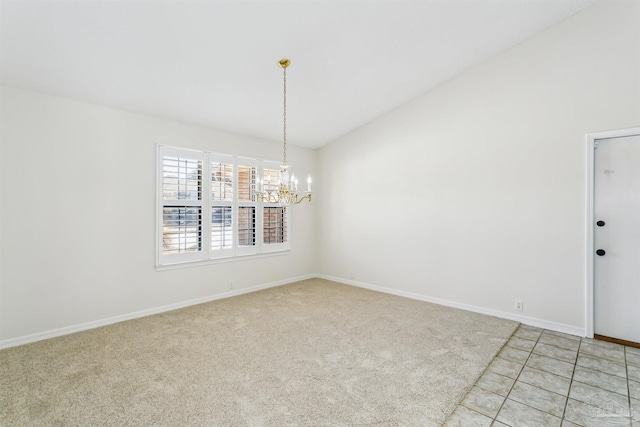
pixel 287 188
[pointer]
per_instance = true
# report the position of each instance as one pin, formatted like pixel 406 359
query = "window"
pixel 208 207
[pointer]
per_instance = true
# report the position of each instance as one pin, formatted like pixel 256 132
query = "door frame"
pixel 592 139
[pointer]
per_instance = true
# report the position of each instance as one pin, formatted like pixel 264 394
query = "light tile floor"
pixel 549 379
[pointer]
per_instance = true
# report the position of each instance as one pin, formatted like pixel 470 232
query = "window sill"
pixel 188 264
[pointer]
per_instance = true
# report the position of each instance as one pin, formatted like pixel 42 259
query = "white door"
pixel 617 238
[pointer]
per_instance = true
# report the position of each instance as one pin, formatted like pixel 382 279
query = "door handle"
pixel 600 223
pixel 601 252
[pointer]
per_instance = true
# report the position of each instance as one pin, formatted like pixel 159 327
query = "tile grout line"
pixel 626 370
pixel 560 360
pixel 495 419
pixel 573 373
pixel 582 344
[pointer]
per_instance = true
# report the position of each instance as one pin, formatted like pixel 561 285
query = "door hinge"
pixel 596 143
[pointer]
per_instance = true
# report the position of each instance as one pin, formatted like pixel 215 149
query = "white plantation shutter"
pixel 221 178
pixel 274 218
pixel 221 230
pixel 208 209
pixel 246 226
pixel 274 225
pixel 181 178
pixel 247 174
pixel 181 229
pixel 181 211
pixel 223 185
pixel 247 206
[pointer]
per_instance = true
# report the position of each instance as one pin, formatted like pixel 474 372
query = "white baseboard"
pixel 532 321
pixel 540 323
pixel 13 342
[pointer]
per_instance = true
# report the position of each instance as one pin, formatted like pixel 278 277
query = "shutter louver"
pixel 246 184
pixel 275 225
pixel 247 226
pixel 221 182
pixel 181 179
pixel 181 229
pixel 221 228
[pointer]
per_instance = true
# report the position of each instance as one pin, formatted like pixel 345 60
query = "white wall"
pixel 474 193
pixel 78 185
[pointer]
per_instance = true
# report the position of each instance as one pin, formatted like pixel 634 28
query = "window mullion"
pixel 234 207
pixel 206 206
pixel 259 213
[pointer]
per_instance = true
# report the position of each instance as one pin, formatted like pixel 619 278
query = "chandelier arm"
pixel 282 197
pixel 300 200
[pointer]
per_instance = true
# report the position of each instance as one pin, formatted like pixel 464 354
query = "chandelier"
pixel 286 192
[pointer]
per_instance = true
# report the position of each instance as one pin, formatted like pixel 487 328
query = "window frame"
pixel 207 254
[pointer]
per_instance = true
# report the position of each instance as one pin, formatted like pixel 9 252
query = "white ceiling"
pixel 214 63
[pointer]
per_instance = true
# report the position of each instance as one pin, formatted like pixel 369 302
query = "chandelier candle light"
pixel 287 191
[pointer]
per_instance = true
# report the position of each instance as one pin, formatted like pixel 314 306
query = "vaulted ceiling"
pixel 215 63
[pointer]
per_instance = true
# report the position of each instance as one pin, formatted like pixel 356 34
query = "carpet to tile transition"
pixel 313 353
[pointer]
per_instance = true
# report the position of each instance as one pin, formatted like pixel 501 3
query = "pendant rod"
pixel 284 63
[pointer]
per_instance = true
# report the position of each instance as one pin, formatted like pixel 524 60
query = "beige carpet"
pixel 313 353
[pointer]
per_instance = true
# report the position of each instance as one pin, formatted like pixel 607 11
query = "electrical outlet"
pixel 351 275
pixel 230 284
pixel 518 305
